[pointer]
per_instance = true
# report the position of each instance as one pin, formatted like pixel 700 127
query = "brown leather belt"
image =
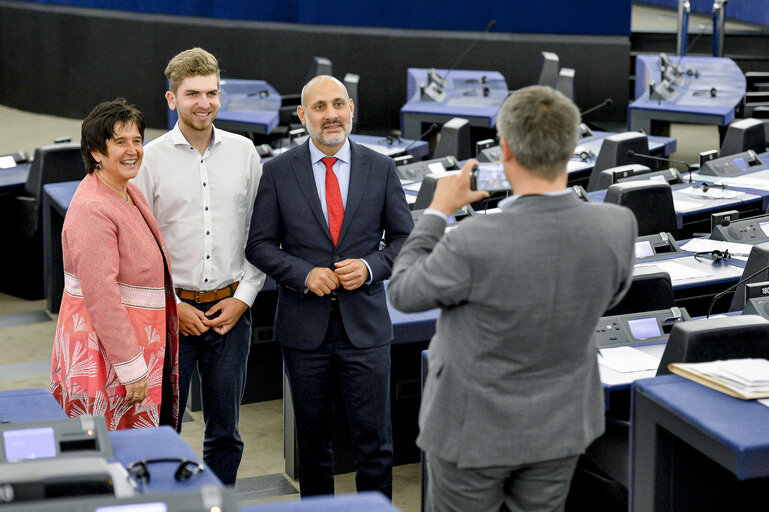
pixel 210 296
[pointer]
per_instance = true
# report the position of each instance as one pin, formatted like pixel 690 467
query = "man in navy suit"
pixel 319 217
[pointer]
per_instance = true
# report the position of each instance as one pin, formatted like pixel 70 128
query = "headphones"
pixel 707 186
pixel 184 471
pixel 713 92
pixel 716 256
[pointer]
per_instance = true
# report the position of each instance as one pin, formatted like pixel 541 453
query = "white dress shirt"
pixel 203 206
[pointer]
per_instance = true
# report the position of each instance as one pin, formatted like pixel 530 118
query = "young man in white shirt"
pixel 200 183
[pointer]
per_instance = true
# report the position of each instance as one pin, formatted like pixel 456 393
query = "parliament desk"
pixel 56 198
pixel 694 448
pixel 472 95
pixel 37 404
pixel 34 404
pixel 419 149
pixel 362 502
pixel 12 179
pixel 690 100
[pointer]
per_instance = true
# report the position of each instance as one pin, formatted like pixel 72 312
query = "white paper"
pixel 612 378
pixel 745 182
pixel 677 271
pixel 6 162
pixel 737 251
pixel 436 168
pixel 627 359
pixel 685 206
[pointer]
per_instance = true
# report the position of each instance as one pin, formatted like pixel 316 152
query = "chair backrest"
pixel 648 292
pixel 743 135
pixel 548 74
pixel 351 82
pixel 711 339
pixel 650 201
pixel 758 261
pixel 614 152
pixel 454 139
pixel 53 164
pixel 320 66
pixel 565 82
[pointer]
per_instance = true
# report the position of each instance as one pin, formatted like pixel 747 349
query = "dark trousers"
pixel 221 362
pixel 363 375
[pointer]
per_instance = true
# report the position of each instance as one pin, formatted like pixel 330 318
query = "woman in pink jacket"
pixel 115 351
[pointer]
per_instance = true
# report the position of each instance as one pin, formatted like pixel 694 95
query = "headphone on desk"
pixel 184 471
pixel 716 256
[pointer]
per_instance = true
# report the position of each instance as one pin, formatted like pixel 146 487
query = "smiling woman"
pixel 116 345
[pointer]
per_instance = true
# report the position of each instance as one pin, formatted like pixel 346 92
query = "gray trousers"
pixel 541 486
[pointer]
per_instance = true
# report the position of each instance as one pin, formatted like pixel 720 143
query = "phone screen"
pixel 490 177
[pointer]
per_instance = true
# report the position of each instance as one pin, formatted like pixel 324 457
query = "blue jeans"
pixel 222 362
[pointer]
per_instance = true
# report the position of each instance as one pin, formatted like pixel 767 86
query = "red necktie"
pixel 333 200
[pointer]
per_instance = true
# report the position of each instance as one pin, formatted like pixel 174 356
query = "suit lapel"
pixel 359 173
pixel 302 169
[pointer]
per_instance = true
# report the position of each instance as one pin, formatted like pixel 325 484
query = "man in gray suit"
pixel 513 394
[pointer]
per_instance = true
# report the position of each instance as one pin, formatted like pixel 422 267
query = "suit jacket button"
pixel 336 258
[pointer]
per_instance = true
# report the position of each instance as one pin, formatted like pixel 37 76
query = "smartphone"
pixel 490 177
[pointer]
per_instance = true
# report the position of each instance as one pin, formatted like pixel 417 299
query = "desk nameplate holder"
pixel 638 328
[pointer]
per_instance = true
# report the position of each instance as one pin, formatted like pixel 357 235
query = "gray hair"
pixel 317 79
pixel 541 127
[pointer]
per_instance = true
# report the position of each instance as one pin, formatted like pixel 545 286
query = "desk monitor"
pixel 757 299
pixel 758 263
pixel 655 246
pixel 204 499
pixel 638 328
pixel 670 71
pixel 750 230
pixel 744 135
pixel 732 165
pixel 613 175
pixel 418 170
pixel 69 437
pixel 711 339
pixel 615 151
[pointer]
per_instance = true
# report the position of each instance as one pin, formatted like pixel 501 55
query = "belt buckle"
pixel 197 296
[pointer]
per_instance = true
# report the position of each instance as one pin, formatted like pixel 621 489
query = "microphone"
pixel 467 50
pixel 430 129
pixel 633 154
pixel 604 103
pixel 733 287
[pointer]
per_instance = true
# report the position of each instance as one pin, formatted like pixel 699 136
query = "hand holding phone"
pixel 490 177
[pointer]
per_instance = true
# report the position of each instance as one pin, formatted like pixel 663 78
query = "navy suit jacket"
pixel 289 237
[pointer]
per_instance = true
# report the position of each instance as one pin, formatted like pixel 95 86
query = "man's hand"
pixel 322 281
pixel 453 192
pixel 225 313
pixel 191 320
pixel 352 273
pixel 137 391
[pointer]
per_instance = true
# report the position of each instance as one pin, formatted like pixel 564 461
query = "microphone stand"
pixel 633 154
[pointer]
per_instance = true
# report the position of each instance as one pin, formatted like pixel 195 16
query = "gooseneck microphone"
pixel 429 130
pixel 467 50
pixel 604 103
pixel 633 154
pixel 734 287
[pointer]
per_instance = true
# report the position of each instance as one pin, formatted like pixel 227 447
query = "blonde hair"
pixel 192 62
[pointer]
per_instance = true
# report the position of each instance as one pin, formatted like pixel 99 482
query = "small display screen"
pixel 741 163
pixel 491 177
pixel 643 249
pixel 642 328
pixel 155 506
pixel 31 443
pixel 764 227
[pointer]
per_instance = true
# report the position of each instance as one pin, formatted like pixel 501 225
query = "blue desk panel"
pixel 363 502
pixel 692 446
pixel 34 404
pixel 13 178
pixel 691 101
pixel 465 98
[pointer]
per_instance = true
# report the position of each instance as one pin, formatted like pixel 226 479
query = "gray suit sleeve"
pixel 626 267
pixel 430 270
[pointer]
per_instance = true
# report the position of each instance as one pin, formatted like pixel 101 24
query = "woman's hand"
pixel 137 391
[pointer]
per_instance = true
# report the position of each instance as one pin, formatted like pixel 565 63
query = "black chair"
pixel 615 151
pixel 733 337
pixel 565 82
pixel 648 292
pixel 351 82
pixel 52 164
pixel 743 135
pixel 548 73
pixel 454 139
pixel 650 201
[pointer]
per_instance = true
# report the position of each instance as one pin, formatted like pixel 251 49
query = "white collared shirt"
pixel 203 206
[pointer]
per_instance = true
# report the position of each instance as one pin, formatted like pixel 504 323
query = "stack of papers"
pixel 741 378
pixel 623 365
